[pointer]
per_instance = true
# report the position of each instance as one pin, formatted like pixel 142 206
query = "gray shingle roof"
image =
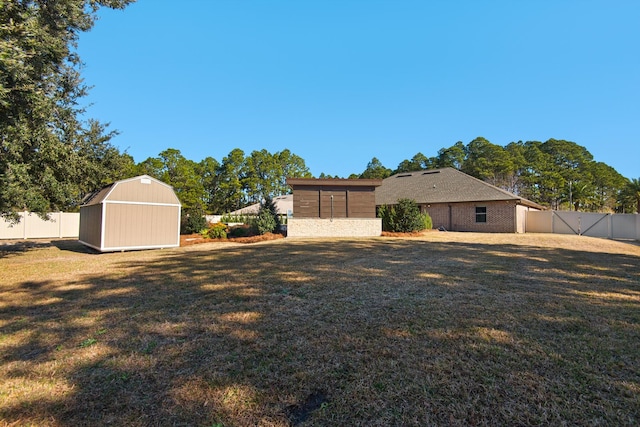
pixel 445 185
pixel 283 204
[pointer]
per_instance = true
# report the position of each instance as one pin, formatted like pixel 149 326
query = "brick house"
pixel 457 201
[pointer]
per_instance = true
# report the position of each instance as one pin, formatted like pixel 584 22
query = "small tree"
pixel 268 220
pixel 193 221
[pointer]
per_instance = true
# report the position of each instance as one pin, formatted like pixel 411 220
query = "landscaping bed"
pixel 194 239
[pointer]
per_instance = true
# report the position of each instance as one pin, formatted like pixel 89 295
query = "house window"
pixel 481 214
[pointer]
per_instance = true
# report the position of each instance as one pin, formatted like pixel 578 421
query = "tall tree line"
pixel 556 173
pixel 223 186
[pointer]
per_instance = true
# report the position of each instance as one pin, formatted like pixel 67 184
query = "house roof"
pixel 447 185
pixel 284 204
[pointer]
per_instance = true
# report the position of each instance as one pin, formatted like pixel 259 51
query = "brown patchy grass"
pixel 438 329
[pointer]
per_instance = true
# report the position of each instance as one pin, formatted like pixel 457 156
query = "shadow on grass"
pixel 15 247
pixel 370 332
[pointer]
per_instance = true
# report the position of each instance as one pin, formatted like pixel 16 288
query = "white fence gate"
pixel 31 226
pixel 611 226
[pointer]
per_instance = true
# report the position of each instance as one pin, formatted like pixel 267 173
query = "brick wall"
pixel 501 216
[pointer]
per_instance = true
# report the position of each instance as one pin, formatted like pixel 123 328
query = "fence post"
pixel 24 225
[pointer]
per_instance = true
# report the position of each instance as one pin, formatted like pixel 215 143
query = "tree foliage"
pixel 49 155
pixel 375 170
pixel 233 183
pixel 630 196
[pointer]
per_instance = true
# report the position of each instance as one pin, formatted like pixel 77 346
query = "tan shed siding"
pixel 140 226
pixel 135 191
pixel 462 216
pixel 91 225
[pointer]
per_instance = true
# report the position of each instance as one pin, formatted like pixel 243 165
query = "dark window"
pixel 481 214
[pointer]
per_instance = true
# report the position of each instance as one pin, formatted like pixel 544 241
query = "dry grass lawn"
pixel 443 329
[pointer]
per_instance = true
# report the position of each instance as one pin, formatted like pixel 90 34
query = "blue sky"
pixel 338 82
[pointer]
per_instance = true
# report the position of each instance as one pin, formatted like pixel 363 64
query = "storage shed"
pixel 135 213
pixel 333 208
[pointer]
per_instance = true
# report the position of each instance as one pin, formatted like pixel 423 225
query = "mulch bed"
pixel 194 239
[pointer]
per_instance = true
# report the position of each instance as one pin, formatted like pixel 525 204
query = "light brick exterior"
pixel 338 227
pixel 501 216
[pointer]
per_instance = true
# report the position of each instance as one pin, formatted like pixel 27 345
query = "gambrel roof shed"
pixel 135 213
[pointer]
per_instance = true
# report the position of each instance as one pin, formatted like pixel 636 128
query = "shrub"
pixel 404 217
pixel 193 221
pixel 216 231
pixel 270 205
pixel 241 219
pixel 240 231
pixel 386 213
pixel 267 220
pixel 427 221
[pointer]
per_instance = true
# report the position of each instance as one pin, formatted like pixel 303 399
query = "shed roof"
pixel 447 185
pixel 333 182
pixel 110 192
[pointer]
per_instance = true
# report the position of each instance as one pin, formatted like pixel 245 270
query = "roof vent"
pixel 404 175
pixel 430 172
pixel 145 181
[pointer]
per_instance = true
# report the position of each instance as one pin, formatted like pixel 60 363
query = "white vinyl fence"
pixel 611 226
pixel 31 226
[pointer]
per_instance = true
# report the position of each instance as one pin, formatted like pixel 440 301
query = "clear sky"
pixel 338 82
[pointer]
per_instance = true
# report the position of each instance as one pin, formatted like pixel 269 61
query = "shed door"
pixel 333 204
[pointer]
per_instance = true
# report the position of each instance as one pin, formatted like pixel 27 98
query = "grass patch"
pixel 438 329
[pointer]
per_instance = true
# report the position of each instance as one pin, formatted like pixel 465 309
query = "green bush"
pixel 427 221
pixel 240 231
pixel 240 219
pixel 385 212
pixel 268 220
pixel 193 222
pixel 265 222
pixel 404 217
pixel 216 231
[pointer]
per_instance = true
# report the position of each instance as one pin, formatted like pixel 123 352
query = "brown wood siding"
pixel 91 224
pixel 351 198
pixel 333 203
pixel 306 203
pixel 140 226
pixel 135 191
pixel 361 203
